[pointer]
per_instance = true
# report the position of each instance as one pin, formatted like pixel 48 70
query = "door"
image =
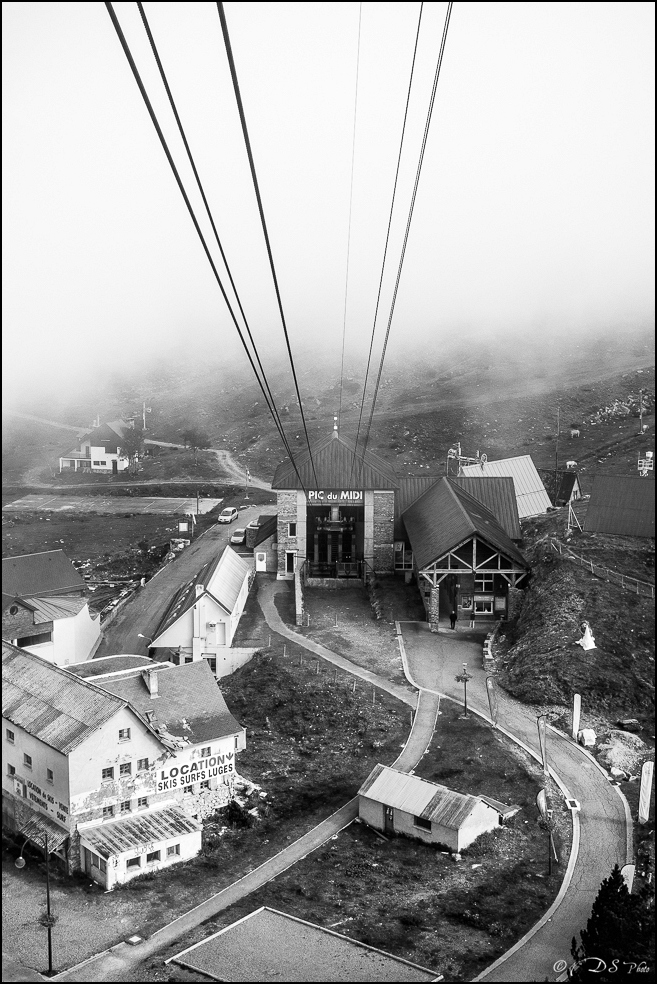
pixel 290 557
pixel 261 561
pixel 115 467
pixel 389 820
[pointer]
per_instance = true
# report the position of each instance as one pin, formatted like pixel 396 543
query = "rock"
pixel 456 857
pixel 629 724
pixel 623 750
pixel 617 773
pixel 586 737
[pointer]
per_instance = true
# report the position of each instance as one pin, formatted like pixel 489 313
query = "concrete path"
pixel 122 958
pixel 267 593
pixel 432 661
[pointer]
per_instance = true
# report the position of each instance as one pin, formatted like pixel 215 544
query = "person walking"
pixel 452 619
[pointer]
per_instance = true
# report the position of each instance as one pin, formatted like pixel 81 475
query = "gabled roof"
pixel 621 504
pixel 224 575
pixel 446 516
pixel 189 703
pixel 104 665
pixel 498 495
pixel 419 797
pixel 40 574
pixel 50 609
pixel 106 436
pixel 335 468
pixel 567 481
pixel 531 496
pixel 50 703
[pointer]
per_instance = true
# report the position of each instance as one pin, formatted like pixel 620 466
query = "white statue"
pixel 587 641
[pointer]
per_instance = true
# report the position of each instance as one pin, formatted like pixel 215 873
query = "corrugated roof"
pixel 50 609
pixel 138 832
pixel 334 467
pixel 498 495
pixel 222 578
pixel 189 703
pixel 50 703
pixel 531 496
pixel 621 504
pixel 46 573
pixel 418 797
pixel 37 826
pixel 446 516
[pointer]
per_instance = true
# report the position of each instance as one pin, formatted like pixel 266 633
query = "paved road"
pixel 433 661
pixel 142 613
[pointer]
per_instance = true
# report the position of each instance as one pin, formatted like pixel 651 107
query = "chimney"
pixel 149 677
pixel 335 427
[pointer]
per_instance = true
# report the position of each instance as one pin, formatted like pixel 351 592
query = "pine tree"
pixel 619 935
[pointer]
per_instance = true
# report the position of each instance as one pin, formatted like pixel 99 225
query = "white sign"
pixel 646 791
pixel 577 709
pixel 184 771
pixel 321 495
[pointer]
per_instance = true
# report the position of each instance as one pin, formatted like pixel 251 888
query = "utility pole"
pixel 556 459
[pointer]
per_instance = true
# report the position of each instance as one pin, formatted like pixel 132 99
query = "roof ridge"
pixel 456 498
pixel 62 671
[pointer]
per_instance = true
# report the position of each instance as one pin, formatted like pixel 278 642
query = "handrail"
pixel 639 587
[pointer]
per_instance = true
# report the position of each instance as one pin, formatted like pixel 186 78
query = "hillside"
pixel 538 656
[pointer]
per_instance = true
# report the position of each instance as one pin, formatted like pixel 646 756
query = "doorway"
pixel 389 820
pixel 261 561
pixel 290 559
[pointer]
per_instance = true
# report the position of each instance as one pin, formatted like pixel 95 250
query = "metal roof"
pixel 104 665
pixel 498 495
pixel 138 832
pixel 418 797
pixel 38 826
pixel 335 468
pixel 50 703
pixel 531 496
pixel 46 573
pixel 222 578
pixel 51 609
pixel 189 703
pixel 268 527
pixel 446 516
pixel 621 504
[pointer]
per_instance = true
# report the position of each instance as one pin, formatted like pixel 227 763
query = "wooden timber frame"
pixel 484 559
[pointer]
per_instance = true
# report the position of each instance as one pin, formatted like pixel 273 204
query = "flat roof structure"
pixel 621 504
pixel 268 945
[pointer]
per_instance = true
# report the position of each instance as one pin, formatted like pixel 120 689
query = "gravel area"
pixel 86 922
pixel 270 946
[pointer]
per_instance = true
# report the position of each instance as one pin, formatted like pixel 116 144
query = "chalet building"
pixel 397 803
pixel 344 515
pixel 202 617
pixel 113 767
pixel 99 450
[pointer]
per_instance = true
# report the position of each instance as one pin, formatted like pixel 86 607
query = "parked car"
pixel 227 515
pixel 238 537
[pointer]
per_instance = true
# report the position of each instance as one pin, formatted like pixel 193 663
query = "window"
pixel 108 811
pixel 206 751
pixel 205 784
pixel 188 789
pixel 421 822
pixel 97 862
pixel 125 769
pixel 50 775
pixel 108 774
pixel 27 760
pixel 133 863
pixel 142 802
pixel 142 765
pixel 125 806
pixel 124 734
pixel 152 857
pixel 172 850
pixel 11 771
pixel 483 582
pixel 10 736
pixel 483 607
pixel 291 529
pixel 100 464
pixel 34 640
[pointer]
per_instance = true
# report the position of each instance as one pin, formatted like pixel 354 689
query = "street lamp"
pixel 148 638
pixel 548 824
pixel 48 920
pixel 463 678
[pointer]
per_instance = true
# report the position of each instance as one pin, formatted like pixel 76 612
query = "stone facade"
pixel 383 515
pixel 291 509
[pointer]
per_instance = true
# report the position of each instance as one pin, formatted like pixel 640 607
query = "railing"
pixel 339 569
pixel 624 580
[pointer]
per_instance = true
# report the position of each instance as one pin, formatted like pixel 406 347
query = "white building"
pixel 113 768
pixel 397 803
pixel 60 629
pixel 99 451
pixel 203 615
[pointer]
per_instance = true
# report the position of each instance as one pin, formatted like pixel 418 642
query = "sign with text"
pixel 40 799
pixel 324 496
pixel 183 773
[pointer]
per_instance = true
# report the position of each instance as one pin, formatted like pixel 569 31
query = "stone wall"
pixel 287 513
pixel 383 532
pixel 298 595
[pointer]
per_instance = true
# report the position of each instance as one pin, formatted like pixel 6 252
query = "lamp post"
pixel 49 920
pixel 140 636
pixel 463 678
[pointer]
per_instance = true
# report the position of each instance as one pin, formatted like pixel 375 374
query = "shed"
pixel 395 802
pixel 621 504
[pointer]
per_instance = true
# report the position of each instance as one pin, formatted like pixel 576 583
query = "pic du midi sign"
pixel 340 495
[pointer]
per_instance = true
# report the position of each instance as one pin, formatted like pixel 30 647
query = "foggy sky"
pixel 534 212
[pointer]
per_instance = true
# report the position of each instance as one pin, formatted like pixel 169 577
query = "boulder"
pixel 586 737
pixel 623 750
